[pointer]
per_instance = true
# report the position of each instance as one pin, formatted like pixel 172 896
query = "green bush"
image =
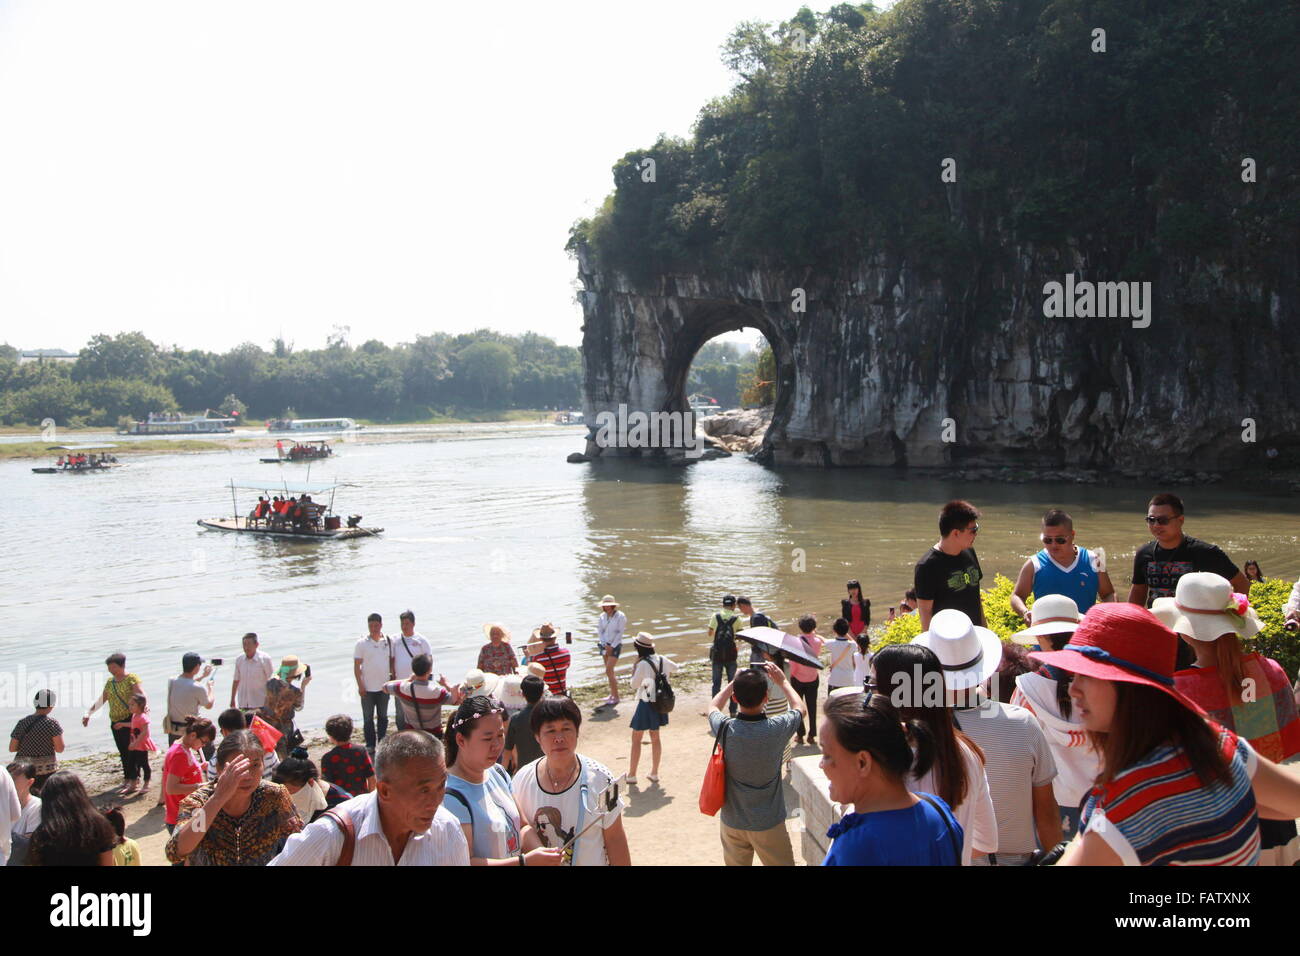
pixel 997 615
pixel 1283 646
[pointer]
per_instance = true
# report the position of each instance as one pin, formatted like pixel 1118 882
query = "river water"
pixel 490 523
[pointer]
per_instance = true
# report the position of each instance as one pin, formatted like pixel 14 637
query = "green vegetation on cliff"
pixel 830 146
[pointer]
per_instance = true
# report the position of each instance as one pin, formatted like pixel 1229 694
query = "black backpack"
pixel 723 650
pixel 665 697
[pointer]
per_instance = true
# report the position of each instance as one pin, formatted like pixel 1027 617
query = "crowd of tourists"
pixel 953 749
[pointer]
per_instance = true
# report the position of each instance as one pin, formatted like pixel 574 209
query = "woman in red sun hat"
pixel 1174 788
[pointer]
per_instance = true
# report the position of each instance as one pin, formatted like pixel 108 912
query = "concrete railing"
pixel 815 806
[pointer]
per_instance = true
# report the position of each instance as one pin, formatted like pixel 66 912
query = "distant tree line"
pixel 127 376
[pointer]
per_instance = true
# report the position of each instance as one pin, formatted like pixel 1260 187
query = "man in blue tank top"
pixel 1063 568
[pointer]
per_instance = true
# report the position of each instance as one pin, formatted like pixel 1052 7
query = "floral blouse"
pixel 252 839
pixel 497 659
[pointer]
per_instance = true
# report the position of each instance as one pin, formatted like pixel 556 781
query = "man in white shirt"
pixel 374 664
pixel 609 634
pixel 402 823
pixel 10 812
pixel 253 669
pixel 409 645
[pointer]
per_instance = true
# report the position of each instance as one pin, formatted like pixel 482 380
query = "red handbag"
pixel 713 792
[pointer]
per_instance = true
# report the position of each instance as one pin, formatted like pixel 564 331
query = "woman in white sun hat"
pixel 609 636
pixel 1046 694
pixel 647 716
pixel 1245 692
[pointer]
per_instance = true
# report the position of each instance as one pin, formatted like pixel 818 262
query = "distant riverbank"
pixel 41 449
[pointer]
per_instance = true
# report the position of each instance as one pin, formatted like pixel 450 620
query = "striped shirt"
pixel 1017 759
pixel 556 661
pixel 1267 719
pixel 1157 812
pixel 321 843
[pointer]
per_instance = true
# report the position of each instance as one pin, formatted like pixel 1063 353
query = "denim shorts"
pixel 616 648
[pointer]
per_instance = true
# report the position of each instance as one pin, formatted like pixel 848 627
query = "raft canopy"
pixel 287 487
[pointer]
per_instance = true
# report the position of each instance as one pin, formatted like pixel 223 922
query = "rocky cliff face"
pixel 890 366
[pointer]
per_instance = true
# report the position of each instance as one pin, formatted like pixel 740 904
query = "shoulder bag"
pixel 713 792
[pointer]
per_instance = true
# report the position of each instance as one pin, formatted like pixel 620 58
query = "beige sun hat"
pixel 1051 614
pixel 479 684
pixel 645 640
pixel 487 631
pixel 608 599
pixel 537 670
pixel 1205 608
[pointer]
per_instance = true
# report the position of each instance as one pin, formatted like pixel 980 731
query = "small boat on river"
pixel 287 510
pixel 299 425
pixel 80 460
pixel 176 424
pixel 301 451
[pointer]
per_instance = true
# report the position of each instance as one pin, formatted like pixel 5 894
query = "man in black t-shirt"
pixel 948 575
pixel 1159 564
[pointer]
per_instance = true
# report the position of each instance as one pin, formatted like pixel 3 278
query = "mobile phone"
pixel 215 662
pixel 568 637
pixel 307 672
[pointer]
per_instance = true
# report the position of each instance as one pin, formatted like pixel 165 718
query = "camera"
pixel 215 662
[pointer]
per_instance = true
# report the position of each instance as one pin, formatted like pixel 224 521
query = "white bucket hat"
pixel 1205 608
pixel 970 655
pixel 1051 614
pixel 479 684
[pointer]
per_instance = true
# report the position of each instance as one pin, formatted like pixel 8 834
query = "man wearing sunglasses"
pixel 1159 564
pixel 1062 567
pixel 948 575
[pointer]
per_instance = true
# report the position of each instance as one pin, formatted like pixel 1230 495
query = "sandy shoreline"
pixel 664 824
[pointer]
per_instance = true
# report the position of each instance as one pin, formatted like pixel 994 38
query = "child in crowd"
pixel 842 653
pixel 345 765
pixel 126 852
pixel 141 745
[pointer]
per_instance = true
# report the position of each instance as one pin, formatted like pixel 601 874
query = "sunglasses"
pixel 974 530
pixel 1162 520
pixel 1048 539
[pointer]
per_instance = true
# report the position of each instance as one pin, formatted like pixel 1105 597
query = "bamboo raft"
pixel 242 526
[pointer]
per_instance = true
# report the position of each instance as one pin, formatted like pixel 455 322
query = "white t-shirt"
pixel 558 817
pixel 978 820
pixel 31 816
pixel 861 667
pixel 842 653
pixel 252 674
pixel 10 812
pixel 373 656
pixel 643 675
pixel 407 649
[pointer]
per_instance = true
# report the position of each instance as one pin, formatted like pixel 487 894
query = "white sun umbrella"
pixel 774 639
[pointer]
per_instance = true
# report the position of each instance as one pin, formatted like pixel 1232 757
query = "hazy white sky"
pixel 216 172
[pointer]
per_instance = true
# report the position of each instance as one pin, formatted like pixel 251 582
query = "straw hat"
pixel 1122 642
pixel 1051 614
pixel 969 654
pixel 1205 608
pixel 607 600
pixel 487 631
pixel 291 667
pixel 479 684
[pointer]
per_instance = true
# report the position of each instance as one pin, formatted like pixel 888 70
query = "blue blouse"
pixel 920 835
